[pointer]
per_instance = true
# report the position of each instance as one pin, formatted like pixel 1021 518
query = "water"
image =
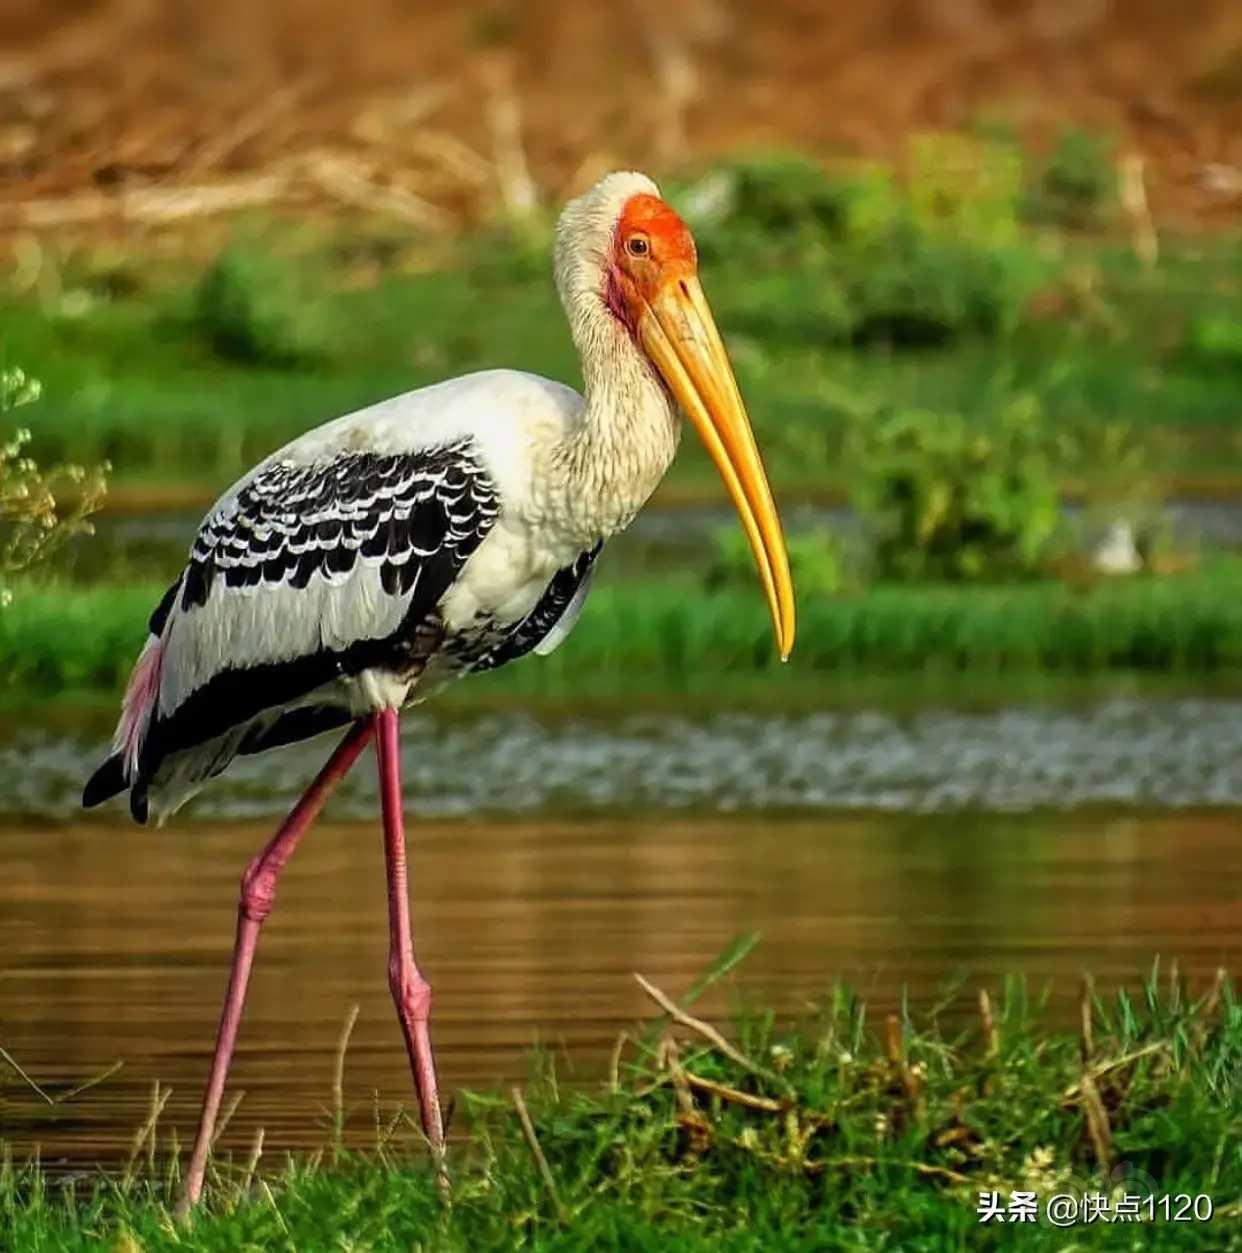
pixel 1134 750
pixel 114 941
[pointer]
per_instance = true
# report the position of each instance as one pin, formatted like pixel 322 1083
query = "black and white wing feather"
pixel 307 573
pixel 549 622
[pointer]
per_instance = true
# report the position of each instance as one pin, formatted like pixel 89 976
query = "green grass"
pixel 672 634
pixel 834 1133
pixel 842 300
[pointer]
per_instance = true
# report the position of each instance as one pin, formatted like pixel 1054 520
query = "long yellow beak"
pixel 680 336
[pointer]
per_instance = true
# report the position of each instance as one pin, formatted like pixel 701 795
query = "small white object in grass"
pixel 782 1057
pixel 1117 552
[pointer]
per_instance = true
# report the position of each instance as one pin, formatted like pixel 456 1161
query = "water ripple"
pixel 1163 753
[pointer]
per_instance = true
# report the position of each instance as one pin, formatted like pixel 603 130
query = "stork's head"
pixel 627 270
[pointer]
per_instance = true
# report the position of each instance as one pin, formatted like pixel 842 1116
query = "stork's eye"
pixel 637 246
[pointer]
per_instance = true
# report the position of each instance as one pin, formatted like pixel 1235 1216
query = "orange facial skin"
pixel 652 287
pixel 651 248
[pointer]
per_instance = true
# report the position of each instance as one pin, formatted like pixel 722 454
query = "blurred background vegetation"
pixel 978 265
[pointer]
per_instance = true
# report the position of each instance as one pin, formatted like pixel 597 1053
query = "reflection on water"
pixel 114 941
pixel 1158 752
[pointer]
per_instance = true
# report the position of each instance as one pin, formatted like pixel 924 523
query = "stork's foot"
pixel 411 994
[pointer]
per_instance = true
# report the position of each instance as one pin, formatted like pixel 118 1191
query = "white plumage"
pixel 503 414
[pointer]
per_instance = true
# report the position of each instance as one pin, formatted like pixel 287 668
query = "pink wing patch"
pixel 138 705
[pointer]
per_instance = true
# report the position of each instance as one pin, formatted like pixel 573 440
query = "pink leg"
pixel 410 991
pixel 258 892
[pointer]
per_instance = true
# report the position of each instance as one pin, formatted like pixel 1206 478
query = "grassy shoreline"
pixel 665 636
pixel 833 1133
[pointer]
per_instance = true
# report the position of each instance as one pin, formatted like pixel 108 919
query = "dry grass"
pixel 124 115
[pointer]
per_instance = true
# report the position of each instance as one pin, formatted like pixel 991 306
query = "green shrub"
pixel 1075 186
pixel 253 307
pixel 951 499
pixel 32 521
pixel 786 196
pixel 858 258
pixel 817 561
pixel 670 634
pixel 1215 341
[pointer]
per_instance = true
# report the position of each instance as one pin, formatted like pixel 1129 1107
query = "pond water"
pixel 1170 752
pixel 114 941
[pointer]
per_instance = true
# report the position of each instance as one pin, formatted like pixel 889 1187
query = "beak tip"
pixel 785 636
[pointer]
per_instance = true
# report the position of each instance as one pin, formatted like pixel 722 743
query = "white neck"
pixel 610 462
pixel 625 439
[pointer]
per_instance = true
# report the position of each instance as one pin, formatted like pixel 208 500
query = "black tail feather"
pixel 138 802
pixel 105 783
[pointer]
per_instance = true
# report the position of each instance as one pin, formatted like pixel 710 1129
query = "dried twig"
pixel 819 1166
pixel 504 117
pixel 614 1063
pixel 256 120
pixel 668 1055
pixel 697 1025
pixel 384 1135
pixel 893 1046
pixel 159 1098
pixel 172 1177
pixel 338 1080
pixel 453 156
pixel 1133 189
pixel 225 1119
pixel 991 1038
pixel 1086 1003
pixel 386 118
pixel 1212 1004
pixel 352 182
pixel 938 1172
pixel 738 1097
pixel 697 1128
pixel 92 1082
pixel 892 1039
pixel 676 74
pixel 1103 1068
pixel 146 205
pixel 252 1162
pixel 528 1130
pixel 68 45
pixel 1097 1121
pixel 6 1056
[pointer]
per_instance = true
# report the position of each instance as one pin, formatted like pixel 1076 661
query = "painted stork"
pixel 372 561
